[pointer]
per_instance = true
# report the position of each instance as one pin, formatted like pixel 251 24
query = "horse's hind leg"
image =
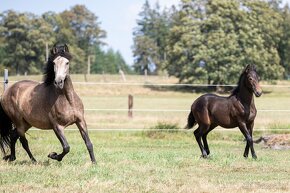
pixel 22 127
pixel 198 133
pixel 13 138
pixel 84 132
pixel 204 139
pixel 25 146
pixel 59 132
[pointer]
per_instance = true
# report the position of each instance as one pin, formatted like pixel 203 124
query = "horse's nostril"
pixel 58 83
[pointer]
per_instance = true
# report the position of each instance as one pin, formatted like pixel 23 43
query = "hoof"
pixel 52 155
pixel 9 158
pixel 204 156
pixel 33 160
pixel 6 157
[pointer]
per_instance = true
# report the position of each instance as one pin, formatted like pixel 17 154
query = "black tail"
pixel 5 130
pixel 190 121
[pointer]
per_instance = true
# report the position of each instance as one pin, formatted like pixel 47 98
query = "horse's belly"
pixel 225 122
pixel 41 123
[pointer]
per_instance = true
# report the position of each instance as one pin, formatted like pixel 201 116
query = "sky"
pixel 116 17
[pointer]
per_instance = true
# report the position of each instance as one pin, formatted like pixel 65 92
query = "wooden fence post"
pixel 5 79
pixel 130 105
pixel 122 75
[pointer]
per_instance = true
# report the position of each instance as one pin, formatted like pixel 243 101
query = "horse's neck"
pixel 246 97
pixel 68 90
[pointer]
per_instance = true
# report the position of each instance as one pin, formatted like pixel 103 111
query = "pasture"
pixel 130 160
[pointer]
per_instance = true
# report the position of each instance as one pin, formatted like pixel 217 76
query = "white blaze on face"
pixel 60 70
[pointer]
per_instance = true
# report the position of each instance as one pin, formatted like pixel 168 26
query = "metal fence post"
pixel 5 79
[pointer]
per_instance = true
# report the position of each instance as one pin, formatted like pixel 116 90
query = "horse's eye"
pixel 67 63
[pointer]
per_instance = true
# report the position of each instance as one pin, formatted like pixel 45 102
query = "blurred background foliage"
pixel 198 41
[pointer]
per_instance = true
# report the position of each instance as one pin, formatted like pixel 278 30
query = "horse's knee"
pixel 249 139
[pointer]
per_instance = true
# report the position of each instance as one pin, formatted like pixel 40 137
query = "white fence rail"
pixel 5 82
pixel 161 84
pixel 178 110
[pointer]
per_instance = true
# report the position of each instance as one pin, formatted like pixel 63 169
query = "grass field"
pixel 131 161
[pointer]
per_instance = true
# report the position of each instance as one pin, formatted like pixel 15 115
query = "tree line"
pixel 24 36
pixel 211 41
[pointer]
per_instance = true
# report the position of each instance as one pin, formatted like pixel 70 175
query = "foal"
pixel 236 110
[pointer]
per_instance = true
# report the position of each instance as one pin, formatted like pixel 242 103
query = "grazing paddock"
pixel 100 97
pixel 130 161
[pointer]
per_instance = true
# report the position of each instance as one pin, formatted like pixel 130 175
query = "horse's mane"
pixel 249 68
pixel 57 50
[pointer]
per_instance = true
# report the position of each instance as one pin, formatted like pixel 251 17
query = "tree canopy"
pixel 24 36
pixel 211 41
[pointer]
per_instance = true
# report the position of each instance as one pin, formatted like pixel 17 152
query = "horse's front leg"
pixel 84 132
pixel 250 129
pixel 248 135
pixel 59 131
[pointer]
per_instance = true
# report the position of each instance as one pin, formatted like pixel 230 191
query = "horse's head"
pixel 59 60
pixel 252 80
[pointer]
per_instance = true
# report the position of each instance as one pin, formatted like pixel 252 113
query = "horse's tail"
pixel 190 121
pixel 5 130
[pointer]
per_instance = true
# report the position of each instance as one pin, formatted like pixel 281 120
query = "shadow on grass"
pixel 189 89
pixel 195 89
pixel 31 163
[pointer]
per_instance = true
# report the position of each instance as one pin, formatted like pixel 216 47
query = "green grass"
pixel 132 162
pixel 129 161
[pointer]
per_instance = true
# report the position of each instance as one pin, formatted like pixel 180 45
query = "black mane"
pixel 237 89
pixel 57 50
pixel 246 70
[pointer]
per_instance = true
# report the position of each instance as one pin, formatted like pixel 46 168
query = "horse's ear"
pixel 254 67
pixel 66 48
pixel 54 50
pixel 247 68
pixel 250 67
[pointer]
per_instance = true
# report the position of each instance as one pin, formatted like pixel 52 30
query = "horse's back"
pixel 23 85
pixel 208 100
pixel 14 93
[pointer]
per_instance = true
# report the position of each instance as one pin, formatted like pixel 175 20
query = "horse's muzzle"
pixel 59 83
pixel 258 93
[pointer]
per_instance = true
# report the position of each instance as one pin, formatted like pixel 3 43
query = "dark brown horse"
pixel 50 105
pixel 236 110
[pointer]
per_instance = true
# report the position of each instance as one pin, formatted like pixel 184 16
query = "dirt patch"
pixel 275 141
